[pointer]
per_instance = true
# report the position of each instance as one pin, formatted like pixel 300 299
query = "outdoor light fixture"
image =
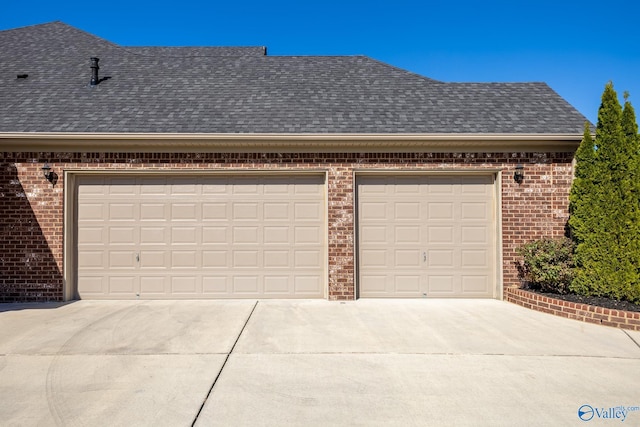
pixel 518 175
pixel 48 174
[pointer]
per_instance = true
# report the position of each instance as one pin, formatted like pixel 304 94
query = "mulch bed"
pixel 597 301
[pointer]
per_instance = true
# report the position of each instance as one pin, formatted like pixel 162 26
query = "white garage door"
pixel 200 237
pixel 426 236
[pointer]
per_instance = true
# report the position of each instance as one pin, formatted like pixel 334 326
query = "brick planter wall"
pixel 31 209
pixel 572 310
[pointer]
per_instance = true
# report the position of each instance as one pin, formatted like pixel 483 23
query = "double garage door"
pixel 200 237
pixel 260 236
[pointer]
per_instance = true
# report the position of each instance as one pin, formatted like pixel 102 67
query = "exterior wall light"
pixel 48 173
pixel 518 174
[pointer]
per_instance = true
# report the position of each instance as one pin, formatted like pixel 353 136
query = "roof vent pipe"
pixel 94 71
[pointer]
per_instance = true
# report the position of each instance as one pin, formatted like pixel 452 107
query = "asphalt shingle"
pixel 242 90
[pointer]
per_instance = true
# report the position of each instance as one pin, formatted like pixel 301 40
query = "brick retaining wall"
pixel 572 310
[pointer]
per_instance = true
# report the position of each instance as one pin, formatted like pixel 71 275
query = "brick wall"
pixel 31 232
pixel 572 310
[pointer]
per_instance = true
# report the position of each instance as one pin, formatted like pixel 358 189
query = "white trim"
pixel 301 142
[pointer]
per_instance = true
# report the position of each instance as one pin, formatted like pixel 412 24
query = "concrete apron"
pixel 369 362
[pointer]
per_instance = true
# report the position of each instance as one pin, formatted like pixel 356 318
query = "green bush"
pixel 547 265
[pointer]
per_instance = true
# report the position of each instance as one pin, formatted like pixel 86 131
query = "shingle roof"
pixel 241 90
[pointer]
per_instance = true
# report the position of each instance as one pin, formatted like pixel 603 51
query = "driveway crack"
pixel 204 402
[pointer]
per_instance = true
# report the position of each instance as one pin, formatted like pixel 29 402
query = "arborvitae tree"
pixel 605 207
pixel 582 189
pixel 632 142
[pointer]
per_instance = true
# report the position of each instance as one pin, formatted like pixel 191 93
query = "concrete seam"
pixel 215 380
pixel 631 338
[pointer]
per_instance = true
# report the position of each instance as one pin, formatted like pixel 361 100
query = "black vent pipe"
pixel 94 71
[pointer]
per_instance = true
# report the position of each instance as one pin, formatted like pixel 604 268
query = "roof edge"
pixel 305 142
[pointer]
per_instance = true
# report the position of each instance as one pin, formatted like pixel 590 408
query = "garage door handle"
pixel 424 257
pixel 137 257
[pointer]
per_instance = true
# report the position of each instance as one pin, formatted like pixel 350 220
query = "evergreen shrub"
pixel 547 265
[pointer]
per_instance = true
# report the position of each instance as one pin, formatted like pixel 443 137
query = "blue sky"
pixel 574 46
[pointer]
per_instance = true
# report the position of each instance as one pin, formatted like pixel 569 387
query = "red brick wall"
pixel 572 310
pixel 31 232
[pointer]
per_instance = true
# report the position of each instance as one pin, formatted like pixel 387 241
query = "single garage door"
pixel 426 236
pixel 167 237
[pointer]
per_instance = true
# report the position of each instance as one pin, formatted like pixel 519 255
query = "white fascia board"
pixel 305 142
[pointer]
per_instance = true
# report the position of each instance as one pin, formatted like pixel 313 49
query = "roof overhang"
pixel 289 142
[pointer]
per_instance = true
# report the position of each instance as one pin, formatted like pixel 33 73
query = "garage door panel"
pixel 273 226
pixel 407 211
pixel 218 211
pixel 247 285
pixel 153 285
pixel 184 212
pixel 277 285
pixel 440 234
pixel 440 259
pixel 307 259
pixel 407 258
pixel 122 187
pixel 440 285
pixel 372 258
pixel 122 285
pixel 373 210
pixel 244 186
pixel 307 285
pixel 245 259
pixel 245 211
pixel 307 211
pixel 475 284
pixel 475 234
pixel 440 211
pixel 184 285
pixel 245 235
pixel 426 235
pixel 215 235
pixel 216 286
pixel 92 259
pixel 373 234
pixel 93 285
pixel 153 212
pixel 309 235
pixel 407 284
pixel 276 211
pixel 274 235
pixel 215 259
pixel 184 187
pixel 474 211
pixel 153 187
pixel 403 235
pixel 276 259
pixel 91 212
pixel 92 236
pixel 122 260
pixel 184 259
pixel 121 235
pixel 153 259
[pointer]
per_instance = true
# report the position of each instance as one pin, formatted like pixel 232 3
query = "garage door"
pixel 200 237
pixel 426 236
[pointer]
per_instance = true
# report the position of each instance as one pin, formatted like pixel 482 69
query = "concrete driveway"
pixel 369 362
